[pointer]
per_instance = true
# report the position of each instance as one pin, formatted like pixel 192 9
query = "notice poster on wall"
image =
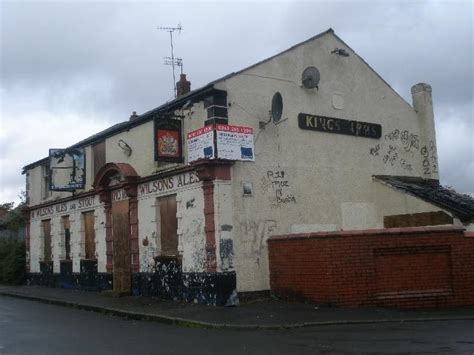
pixel 201 144
pixel 235 142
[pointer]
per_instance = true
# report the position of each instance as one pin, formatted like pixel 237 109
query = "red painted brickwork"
pixel 402 267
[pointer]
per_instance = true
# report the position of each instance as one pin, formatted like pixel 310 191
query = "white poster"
pixel 235 142
pixel 201 144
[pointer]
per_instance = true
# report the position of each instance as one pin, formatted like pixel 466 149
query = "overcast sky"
pixel 70 69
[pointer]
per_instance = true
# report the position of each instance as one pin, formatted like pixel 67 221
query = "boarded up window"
pixel 169 225
pixel 98 152
pixel 417 219
pixel 46 240
pixel 89 234
pixel 67 237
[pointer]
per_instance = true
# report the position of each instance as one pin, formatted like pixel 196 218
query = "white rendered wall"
pixel 307 180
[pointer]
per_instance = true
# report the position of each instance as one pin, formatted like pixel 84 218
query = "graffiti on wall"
pixel 255 235
pixel 430 158
pixel 276 184
pixel 397 149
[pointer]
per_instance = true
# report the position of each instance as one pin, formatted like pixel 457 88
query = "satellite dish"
pixel 310 78
pixel 277 107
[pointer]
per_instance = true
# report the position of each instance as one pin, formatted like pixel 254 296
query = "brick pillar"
pixel 209 226
pixel 106 199
pixel 131 191
pixel 208 171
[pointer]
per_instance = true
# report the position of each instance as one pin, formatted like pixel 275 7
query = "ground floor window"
pixel 89 234
pixel 46 228
pixel 168 225
pixel 67 237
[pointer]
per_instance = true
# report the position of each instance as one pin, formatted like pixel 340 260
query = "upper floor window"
pixel 98 157
pixel 45 177
pixel 47 250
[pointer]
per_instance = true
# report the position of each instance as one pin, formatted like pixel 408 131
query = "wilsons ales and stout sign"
pixel 339 126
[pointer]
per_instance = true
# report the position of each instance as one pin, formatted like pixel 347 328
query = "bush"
pixel 12 262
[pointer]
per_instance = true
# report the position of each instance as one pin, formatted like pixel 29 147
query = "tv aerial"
pixel 172 60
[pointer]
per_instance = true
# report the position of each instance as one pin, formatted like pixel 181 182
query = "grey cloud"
pixel 93 63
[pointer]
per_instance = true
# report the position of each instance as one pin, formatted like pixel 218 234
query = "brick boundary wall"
pixel 397 267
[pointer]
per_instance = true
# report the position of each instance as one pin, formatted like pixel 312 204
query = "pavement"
pixel 265 314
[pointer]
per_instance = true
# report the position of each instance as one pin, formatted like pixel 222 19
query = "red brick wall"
pixel 402 267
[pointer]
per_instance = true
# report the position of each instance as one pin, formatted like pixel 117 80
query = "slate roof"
pixel 461 205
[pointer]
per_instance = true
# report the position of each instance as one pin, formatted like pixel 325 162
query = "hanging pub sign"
pixel 168 140
pixel 339 126
pixel 66 169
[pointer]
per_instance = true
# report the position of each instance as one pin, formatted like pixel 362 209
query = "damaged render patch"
pixel 226 251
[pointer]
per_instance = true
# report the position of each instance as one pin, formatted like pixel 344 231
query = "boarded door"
pixel 47 240
pixel 121 246
pixel 89 232
pixel 169 225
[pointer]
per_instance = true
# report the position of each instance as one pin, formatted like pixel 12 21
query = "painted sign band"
pixel 339 126
pixel 65 207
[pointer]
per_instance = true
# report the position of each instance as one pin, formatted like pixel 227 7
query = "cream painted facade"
pixel 301 180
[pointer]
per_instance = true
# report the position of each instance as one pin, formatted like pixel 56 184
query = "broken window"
pixel 67 238
pixel 46 227
pixel 89 234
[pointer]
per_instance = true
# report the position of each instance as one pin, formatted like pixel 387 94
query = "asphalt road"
pixel 28 327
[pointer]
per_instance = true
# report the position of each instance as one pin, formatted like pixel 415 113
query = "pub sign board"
pixel 67 169
pixel 168 145
pixel 339 126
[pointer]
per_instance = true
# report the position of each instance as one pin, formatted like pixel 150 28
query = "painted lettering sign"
pixel 119 195
pixel 168 184
pixel 339 126
pixel 201 144
pixel 61 208
pixel 235 142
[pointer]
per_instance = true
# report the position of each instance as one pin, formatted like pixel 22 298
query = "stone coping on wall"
pixel 373 232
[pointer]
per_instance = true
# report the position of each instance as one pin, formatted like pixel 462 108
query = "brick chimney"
pixel 133 116
pixel 182 86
